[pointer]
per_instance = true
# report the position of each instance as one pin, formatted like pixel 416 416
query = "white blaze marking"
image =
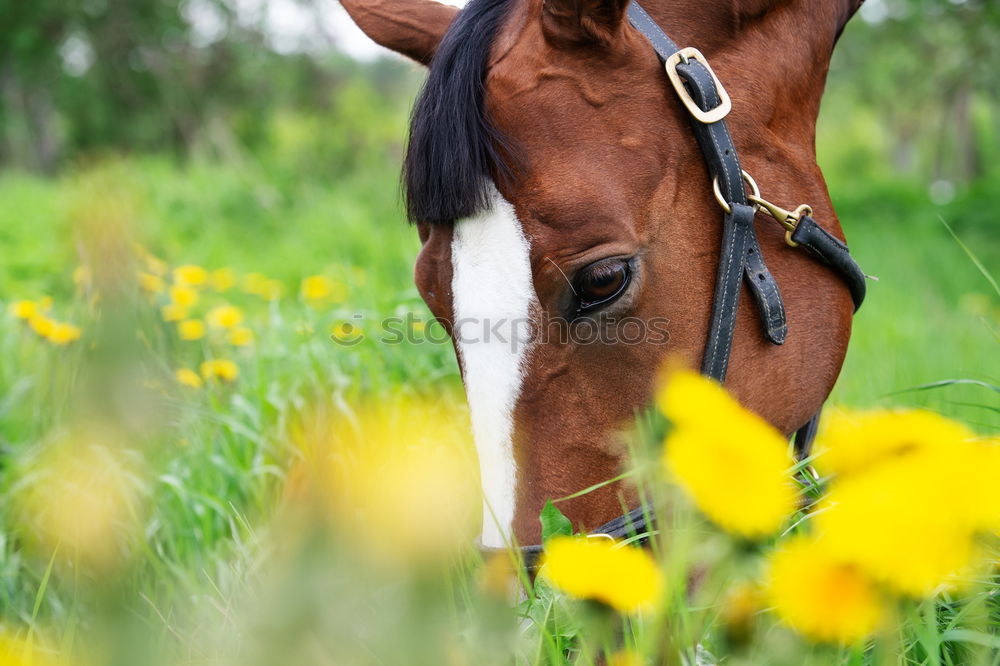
pixel 491 284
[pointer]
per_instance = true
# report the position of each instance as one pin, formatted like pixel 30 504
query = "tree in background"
pixel 85 76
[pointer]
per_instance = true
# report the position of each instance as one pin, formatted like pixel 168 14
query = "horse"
pixel 552 175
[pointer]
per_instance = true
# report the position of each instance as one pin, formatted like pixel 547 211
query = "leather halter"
pixel 740 256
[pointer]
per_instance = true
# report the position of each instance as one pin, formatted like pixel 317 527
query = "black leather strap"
pixel 805 435
pixel 723 162
pixel 737 228
pixel 834 253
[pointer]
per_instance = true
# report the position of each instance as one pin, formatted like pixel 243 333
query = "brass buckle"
pixel 707 117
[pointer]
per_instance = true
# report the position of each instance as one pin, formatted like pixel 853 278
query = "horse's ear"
pixel 577 22
pixel 411 27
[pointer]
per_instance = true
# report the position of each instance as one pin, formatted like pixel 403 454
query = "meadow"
pixel 167 537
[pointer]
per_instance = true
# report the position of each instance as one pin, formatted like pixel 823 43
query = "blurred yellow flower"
pixel 63 334
pixel 853 441
pixel 895 523
pixel 321 288
pixel 151 282
pixel 222 369
pixel 316 287
pixel 225 316
pixel 23 309
pixel 260 285
pixel 173 312
pixel 626 658
pixel 623 577
pixel 191 329
pixel 381 471
pixel 20 652
pixel 821 597
pixel 84 496
pixel 188 377
pixel 910 491
pixel 41 325
pixel 241 337
pixel 734 466
pixel 183 296
pixel 190 275
pixel 222 279
pixel 687 398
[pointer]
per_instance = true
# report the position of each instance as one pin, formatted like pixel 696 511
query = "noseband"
pixel 740 258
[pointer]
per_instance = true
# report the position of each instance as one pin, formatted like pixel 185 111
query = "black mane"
pixel 454 150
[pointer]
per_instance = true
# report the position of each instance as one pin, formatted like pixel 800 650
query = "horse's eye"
pixel 602 282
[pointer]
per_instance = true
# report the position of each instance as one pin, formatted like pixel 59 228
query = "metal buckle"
pixel 707 117
pixel 789 219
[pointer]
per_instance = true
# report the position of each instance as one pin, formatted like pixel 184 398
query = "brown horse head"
pixel 570 236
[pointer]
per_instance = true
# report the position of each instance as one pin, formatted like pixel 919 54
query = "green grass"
pixel 210 465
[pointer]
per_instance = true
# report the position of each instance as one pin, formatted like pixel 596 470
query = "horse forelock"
pixel 455 152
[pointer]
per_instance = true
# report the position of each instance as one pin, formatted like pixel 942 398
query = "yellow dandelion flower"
pixel 685 397
pixel 19 652
pixel 225 316
pixel 979 492
pixel 316 287
pixel 626 658
pixel 892 522
pixel 86 498
pixel 241 337
pixel 151 282
pixel 173 312
pixel 820 597
pixel 319 288
pixel 260 285
pixel 221 369
pixel 190 275
pixel 623 577
pixel 222 279
pixel 23 309
pixel 41 325
pixel 734 466
pixel 393 462
pixel 183 296
pixel 854 441
pixel 191 329
pixel 63 334
pixel 188 377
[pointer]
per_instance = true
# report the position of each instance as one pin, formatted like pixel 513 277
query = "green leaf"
pixel 554 523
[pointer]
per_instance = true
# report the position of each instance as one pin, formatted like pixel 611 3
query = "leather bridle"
pixel 740 258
